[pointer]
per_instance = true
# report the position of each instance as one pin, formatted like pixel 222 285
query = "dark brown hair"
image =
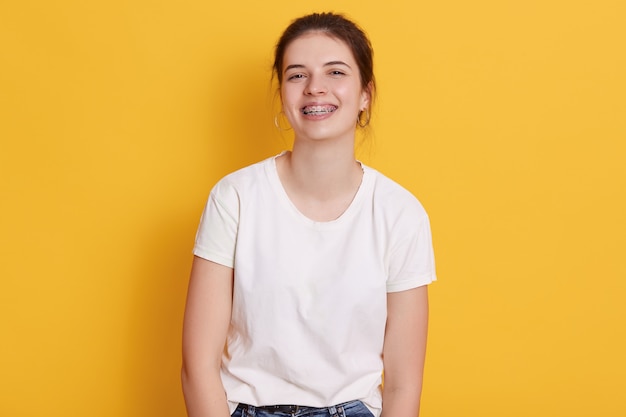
pixel 335 26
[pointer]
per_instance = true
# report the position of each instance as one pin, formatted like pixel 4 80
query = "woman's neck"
pixel 323 169
pixel 321 181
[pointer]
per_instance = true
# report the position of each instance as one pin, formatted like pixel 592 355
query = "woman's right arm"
pixel 207 318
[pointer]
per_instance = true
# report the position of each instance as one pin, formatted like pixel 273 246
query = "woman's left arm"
pixel 404 351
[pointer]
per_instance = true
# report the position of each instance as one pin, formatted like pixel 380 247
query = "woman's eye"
pixel 337 72
pixel 295 77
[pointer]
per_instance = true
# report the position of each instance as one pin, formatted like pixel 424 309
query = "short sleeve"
pixel 216 237
pixel 411 258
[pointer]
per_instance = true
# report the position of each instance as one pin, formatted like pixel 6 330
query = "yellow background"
pixel 506 118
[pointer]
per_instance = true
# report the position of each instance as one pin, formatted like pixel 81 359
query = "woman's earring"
pixel 363 122
pixel 277 121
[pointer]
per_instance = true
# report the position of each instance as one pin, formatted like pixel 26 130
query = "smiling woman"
pixel 311 269
pixel 322 83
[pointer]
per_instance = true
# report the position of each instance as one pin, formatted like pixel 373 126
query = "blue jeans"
pixel 349 409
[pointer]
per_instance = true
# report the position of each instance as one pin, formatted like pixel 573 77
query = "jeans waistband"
pixel 292 409
pixel 284 408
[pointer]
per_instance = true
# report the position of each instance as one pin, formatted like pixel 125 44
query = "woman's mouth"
pixel 318 110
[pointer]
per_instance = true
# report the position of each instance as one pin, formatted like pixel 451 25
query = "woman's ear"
pixel 366 96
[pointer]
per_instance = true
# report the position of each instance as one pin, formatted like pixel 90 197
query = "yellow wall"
pixel 507 119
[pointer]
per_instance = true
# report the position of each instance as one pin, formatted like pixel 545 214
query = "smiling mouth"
pixel 318 110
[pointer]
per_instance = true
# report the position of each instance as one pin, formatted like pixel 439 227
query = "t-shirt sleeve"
pixel 411 260
pixel 216 237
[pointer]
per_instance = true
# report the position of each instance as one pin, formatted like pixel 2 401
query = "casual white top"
pixel 309 302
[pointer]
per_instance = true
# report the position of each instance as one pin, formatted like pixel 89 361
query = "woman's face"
pixel 321 90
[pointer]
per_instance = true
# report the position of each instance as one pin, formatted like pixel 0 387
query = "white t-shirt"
pixel 309 303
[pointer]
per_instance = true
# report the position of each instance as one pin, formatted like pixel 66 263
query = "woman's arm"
pixel 404 351
pixel 207 317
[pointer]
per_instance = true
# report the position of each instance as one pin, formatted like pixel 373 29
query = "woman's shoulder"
pixel 244 177
pixel 392 197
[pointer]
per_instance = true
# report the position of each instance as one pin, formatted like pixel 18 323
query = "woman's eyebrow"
pixel 328 64
pixel 288 67
pixel 331 63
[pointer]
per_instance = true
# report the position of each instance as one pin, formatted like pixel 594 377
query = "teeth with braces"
pixel 315 110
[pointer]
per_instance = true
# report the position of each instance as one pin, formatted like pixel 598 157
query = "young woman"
pixel 310 269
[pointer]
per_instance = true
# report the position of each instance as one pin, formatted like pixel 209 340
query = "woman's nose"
pixel 315 86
